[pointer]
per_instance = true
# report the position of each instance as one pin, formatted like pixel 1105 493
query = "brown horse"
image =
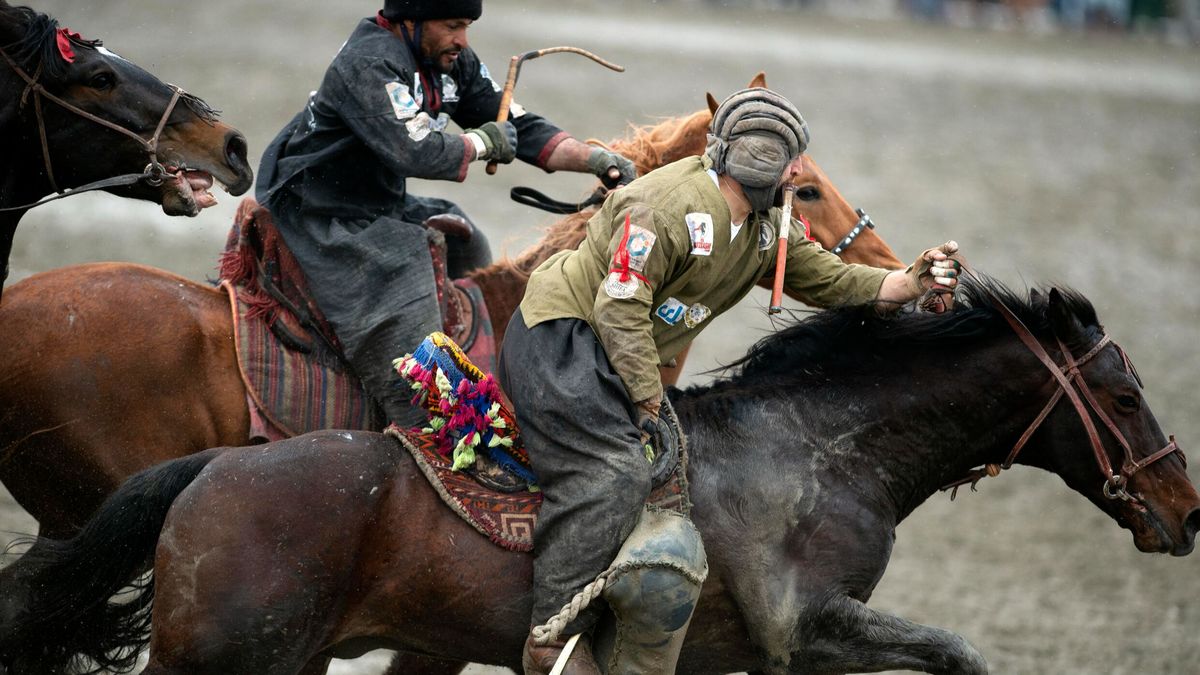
pixel 271 560
pixel 110 368
pixel 73 113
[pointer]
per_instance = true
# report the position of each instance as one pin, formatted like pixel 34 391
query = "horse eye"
pixel 1128 403
pixel 102 81
pixel 808 194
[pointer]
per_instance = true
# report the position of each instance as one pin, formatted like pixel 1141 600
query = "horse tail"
pixel 61 618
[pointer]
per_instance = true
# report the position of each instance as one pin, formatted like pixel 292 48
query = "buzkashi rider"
pixel 664 255
pixel 335 178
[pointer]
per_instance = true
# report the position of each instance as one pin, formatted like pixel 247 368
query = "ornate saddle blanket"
pixel 289 358
pixel 468 414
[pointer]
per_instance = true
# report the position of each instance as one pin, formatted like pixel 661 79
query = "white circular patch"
pixel 620 290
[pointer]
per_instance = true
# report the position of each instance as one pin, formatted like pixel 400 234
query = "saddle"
pixel 468 414
pixel 290 359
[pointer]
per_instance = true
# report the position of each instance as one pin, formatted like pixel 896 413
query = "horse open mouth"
pixel 193 185
pixel 187 191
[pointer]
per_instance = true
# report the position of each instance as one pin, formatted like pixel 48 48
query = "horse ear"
pixel 1062 320
pixel 760 80
pixel 712 103
pixel 1035 296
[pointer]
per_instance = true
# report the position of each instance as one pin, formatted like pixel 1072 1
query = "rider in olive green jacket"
pixel 665 255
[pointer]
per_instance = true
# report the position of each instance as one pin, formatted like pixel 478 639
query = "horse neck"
pixel 503 283
pixel 891 440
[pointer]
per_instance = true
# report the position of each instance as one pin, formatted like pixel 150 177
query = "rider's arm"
pixel 376 102
pixel 479 102
pixel 822 279
pixel 624 325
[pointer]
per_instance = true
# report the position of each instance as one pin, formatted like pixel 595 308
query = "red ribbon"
pixel 621 257
pixel 807 227
pixel 64 37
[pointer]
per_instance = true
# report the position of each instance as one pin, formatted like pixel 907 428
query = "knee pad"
pixel 661 568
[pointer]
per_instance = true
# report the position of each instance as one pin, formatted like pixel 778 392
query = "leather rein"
pixel 153 174
pixel 1070 382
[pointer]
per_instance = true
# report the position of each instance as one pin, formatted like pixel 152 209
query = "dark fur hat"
pixel 422 10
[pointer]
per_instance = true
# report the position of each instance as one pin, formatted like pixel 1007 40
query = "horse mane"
pixel 857 339
pixel 38 45
pixel 648 146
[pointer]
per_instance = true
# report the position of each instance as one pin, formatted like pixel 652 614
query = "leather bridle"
pixel 864 222
pixel 153 174
pixel 1070 382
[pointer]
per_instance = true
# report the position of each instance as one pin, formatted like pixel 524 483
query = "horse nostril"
pixel 236 149
pixel 1191 526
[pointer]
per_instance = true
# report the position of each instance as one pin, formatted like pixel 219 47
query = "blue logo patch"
pixel 672 311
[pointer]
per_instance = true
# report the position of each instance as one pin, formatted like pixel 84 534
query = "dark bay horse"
pixel 110 368
pixel 804 458
pixel 73 113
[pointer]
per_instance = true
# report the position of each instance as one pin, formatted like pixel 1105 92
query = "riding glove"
pixel 647 422
pixel 600 161
pixel 927 272
pixel 499 141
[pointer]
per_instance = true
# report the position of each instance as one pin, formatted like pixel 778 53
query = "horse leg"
pixel 405 664
pixel 849 637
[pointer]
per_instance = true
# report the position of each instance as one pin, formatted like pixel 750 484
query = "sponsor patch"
pixel 766 235
pixel 420 126
pixel 449 89
pixel 671 311
pixel 516 110
pixel 620 290
pixel 696 314
pixel 700 229
pixel 488 76
pixel 403 103
pixel 641 242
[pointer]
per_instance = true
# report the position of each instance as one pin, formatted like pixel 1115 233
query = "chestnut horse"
pixel 110 368
pixel 73 113
pixel 274 559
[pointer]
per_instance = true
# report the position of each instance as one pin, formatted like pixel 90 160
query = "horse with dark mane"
pixel 148 370
pixel 73 113
pixel 803 460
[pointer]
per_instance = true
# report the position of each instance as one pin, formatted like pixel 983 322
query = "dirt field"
pixel 1066 160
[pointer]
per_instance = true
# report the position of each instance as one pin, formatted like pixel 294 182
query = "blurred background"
pixel 1057 142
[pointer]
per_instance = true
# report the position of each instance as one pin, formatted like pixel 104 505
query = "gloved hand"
pixel 933 267
pixel 602 162
pixel 933 277
pixel 499 141
pixel 647 423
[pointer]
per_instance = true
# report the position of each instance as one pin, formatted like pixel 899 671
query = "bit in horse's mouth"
pixel 193 183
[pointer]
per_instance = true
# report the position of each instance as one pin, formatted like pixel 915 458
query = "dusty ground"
pixel 1049 159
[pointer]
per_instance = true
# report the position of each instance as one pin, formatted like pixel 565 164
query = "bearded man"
pixel 335 178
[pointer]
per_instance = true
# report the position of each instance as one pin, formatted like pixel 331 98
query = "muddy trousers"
pixel 373 280
pixel 578 425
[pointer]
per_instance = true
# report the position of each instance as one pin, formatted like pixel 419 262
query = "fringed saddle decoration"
pixel 467 413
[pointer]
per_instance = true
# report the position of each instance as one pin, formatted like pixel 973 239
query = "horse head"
pixel 79 113
pixel 1131 470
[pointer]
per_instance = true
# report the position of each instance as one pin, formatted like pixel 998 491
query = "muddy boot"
pixel 540 660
